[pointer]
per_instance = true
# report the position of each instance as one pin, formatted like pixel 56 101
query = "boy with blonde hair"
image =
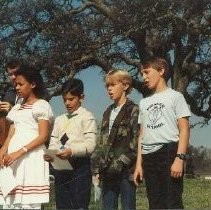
pixel 164 136
pixel 114 159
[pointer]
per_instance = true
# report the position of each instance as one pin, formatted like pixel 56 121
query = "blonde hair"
pixel 120 76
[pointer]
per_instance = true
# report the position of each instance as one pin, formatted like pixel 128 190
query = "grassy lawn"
pixel 197 195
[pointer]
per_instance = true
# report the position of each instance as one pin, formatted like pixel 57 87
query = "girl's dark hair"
pixel 73 86
pixel 32 75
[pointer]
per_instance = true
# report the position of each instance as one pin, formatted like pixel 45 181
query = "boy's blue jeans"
pixel 115 187
pixel 73 188
pixel 163 191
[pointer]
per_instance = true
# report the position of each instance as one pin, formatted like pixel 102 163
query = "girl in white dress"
pixel 23 148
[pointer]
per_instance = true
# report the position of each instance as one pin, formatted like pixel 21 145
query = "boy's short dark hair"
pixel 13 63
pixel 73 86
pixel 157 63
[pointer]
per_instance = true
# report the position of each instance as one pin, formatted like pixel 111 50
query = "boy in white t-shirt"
pixel 164 137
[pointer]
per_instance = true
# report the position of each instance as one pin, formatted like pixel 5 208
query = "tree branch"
pixel 126 59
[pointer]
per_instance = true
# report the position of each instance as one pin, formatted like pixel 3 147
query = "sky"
pixel 96 101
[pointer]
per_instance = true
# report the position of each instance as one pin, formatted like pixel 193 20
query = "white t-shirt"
pixel 114 112
pixel 158 116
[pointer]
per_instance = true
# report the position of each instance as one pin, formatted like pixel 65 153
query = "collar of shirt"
pixel 75 113
pixel 70 115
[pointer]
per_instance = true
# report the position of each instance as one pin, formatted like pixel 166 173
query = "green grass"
pixel 197 195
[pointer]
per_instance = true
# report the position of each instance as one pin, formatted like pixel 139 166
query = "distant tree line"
pixel 199 161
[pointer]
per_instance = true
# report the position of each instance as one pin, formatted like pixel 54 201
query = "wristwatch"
pixel 182 156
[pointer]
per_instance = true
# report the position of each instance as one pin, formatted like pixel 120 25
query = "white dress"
pixel 31 172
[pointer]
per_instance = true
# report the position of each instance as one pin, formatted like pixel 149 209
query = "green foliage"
pixel 200 161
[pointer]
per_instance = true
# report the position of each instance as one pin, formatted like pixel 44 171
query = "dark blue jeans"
pixel 163 191
pixel 113 188
pixel 73 188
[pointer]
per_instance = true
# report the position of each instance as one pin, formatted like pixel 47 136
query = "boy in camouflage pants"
pixel 114 159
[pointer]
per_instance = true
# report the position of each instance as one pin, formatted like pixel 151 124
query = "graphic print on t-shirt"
pixel 155 113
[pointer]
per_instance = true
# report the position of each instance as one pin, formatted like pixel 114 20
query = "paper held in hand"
pixel 58 163
pixel 7 180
